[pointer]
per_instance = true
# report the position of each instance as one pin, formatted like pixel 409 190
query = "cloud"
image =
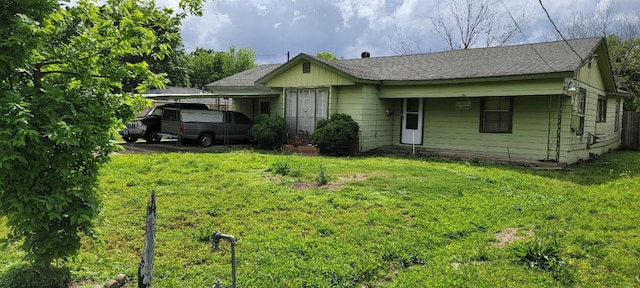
pixel 347 27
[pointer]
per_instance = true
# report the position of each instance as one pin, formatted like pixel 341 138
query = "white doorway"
pixel 412 121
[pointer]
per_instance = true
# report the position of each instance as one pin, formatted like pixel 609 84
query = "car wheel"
pixel 205 139
pixel 130 139
pixel 153 136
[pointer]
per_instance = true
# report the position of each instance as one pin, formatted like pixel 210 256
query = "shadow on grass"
pixel 606 168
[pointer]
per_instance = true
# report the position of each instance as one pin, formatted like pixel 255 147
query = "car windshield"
pixel 156 111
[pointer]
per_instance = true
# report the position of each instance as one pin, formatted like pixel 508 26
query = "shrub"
pixel 333 136
pixel 323 177
pixel 24 275
pixel 282 166
pixel 269 131
pixel 545 256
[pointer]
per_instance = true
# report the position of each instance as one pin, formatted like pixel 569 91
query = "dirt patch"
pixel 357 177
pixel 509 235
pixel 309 185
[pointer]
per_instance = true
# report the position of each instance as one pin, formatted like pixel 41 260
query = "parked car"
pixel 206 126
pixel 148 126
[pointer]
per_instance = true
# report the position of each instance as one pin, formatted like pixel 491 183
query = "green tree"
pixel 168 55
pixel 59 66
pixel 625 58
pixel 326 56
pixel 206 66
pixel 238 61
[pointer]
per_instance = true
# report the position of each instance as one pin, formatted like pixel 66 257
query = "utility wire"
pixel 560 33
pixel 525 36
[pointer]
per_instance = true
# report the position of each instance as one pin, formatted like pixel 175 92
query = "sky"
pixel 346 28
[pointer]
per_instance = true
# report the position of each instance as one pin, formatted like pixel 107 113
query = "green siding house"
pixel 553 102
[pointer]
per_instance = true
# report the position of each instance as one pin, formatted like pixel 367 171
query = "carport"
pixel 238 91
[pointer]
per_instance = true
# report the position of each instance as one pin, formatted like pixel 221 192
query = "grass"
pixel 379 222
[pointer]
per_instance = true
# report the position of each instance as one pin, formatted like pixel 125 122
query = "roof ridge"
pixel 472 49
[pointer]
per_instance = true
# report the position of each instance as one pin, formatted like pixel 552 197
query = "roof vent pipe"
pixel 365 54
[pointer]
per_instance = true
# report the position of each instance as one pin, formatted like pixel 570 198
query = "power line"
pixel 560 33
pixel 525 36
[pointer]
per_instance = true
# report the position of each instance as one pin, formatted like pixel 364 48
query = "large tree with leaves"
pixel 206 66
pixel 59 68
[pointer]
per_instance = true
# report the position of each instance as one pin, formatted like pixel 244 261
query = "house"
pixel 546 102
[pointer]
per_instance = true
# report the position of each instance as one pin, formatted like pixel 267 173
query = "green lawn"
pixel 381 222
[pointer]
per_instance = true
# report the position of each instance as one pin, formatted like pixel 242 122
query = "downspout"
pixel 559 128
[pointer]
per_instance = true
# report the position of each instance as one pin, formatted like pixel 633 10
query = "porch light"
pixel 571 89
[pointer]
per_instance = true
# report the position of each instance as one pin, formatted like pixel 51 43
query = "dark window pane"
pixel 413 104
pixel 412 121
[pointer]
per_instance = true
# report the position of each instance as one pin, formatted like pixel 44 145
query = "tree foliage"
pixel 168 56
pixel 326 56
pixel 206 66
pixel 625 59
pixel 59 67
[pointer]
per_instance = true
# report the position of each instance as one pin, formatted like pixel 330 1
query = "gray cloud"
pixel 347 27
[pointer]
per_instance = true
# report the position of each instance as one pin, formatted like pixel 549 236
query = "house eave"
pixel 555 75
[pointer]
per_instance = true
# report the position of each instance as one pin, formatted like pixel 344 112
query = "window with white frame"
pixel 602 109
pixel 581 102
pixel 497 115
pixel 304 107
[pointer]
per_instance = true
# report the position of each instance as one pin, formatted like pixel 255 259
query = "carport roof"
pixel 177 93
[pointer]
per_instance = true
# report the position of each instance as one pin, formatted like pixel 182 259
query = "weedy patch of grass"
pixel 389 222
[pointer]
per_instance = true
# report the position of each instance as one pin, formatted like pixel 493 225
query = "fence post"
pixel 146 264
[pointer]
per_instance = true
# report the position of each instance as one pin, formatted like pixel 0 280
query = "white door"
pixel 411 121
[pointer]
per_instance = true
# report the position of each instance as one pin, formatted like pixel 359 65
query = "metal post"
pixel 215 238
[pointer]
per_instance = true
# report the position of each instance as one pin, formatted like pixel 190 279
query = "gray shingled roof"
pixel 527 59
pixel 246 78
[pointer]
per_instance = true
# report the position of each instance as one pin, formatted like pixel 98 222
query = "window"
pixel 265 107
pixel 497 115
pixel 602 109
pixel 581 102
pixel 616 125
pixel 304 107
pixel 306 67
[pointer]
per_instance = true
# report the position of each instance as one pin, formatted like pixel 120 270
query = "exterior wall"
pixel 245 106
pixel 364 106
pixel 581 147
pixel 447 129
pixel 318 76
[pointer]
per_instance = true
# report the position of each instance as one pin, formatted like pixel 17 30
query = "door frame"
pixel 420 127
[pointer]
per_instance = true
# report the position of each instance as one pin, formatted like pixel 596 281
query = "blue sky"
pixel 347 27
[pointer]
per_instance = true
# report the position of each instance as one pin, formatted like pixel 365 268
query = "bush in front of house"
pixel 24 275
pixel 269 131
pixel 334 136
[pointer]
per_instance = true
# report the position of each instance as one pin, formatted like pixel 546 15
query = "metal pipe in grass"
pixel 215 237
